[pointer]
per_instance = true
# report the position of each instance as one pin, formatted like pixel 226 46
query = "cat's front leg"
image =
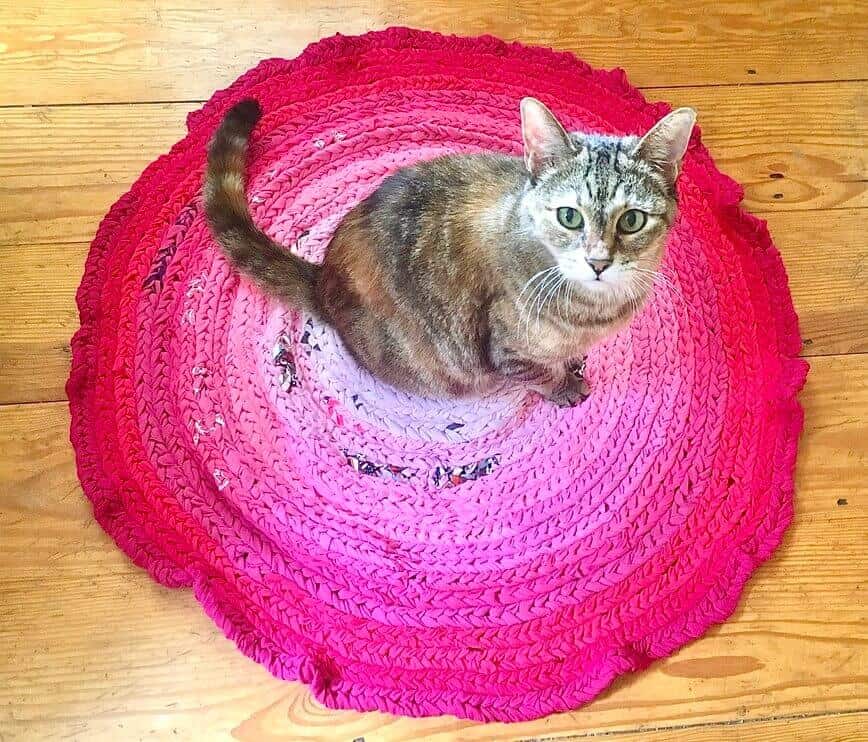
pixel 557 383
pixel 570 390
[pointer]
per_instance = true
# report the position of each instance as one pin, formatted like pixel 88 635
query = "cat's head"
pixel 602 205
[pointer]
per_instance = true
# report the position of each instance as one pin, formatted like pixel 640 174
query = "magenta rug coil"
pixel 496 558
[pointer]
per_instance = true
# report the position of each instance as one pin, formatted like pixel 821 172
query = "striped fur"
pixel 278 271
pixel 455 274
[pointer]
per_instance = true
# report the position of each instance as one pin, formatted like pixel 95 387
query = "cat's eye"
pixel 632 221
pixel 570 218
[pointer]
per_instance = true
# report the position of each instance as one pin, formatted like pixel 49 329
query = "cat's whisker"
pixel 634 297
pixel 540 277
pixel 533 278
pixel 667 287
pixel 525 308
pixel 646 284
pixel 527 286
pixel 636 301
pixel 555 287
pixel 661 280
pixel 551 287
pixel 568 295
pixel 563 285
pixel 542 297
pixel 525 312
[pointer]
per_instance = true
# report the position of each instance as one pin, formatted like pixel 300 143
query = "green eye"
pixel 570 218
pixel 632 221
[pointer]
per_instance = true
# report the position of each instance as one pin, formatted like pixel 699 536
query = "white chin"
pixel 601 287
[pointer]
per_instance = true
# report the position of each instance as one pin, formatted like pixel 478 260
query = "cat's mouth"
pixel 599 282
pixel 610 284
pixel 609 289
pixel 598 285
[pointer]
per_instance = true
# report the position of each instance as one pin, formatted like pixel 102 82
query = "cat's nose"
pixel 598 264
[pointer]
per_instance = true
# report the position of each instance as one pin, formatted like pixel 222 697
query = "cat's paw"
pixel 571 392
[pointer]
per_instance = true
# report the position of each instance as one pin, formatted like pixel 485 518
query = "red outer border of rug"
pixel 99 486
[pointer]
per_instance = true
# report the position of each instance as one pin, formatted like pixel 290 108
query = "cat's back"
pixel 445 190
pixel 422 221
pixel 409 274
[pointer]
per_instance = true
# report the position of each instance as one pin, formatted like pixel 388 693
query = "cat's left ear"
pixel 545 141
pixel 667 141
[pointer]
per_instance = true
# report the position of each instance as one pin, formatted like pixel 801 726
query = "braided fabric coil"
pixel 496 558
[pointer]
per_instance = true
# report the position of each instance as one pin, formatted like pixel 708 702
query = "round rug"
pixel 497 558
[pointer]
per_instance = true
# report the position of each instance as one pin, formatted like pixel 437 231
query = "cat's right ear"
pixel 545 140
pixel 666 143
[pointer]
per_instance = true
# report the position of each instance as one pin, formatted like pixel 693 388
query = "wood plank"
pixel 826 255
pixel 109 654
pixel 92 649
pixel 145 50
pixel 38 316
pixel 799 147
pixel 826 728
pixel 78 161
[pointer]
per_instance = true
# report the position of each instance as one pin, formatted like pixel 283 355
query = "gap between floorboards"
pixel 642 88
pixel 697 725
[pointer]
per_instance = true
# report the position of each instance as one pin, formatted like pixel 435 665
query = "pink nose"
pixel 598 264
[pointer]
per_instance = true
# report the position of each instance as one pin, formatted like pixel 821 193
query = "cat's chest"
pixel 550 340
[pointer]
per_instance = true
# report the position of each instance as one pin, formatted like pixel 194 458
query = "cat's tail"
pixel 280 273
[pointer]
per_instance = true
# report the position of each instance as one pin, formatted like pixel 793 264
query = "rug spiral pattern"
pixel 494 559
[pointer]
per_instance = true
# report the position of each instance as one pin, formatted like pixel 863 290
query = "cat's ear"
pixel 667 141
pixel 545 140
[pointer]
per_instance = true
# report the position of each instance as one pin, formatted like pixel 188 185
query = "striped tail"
pixel 277 271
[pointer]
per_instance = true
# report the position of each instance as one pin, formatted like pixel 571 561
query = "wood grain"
pixel 107 652
pixel 38 316
pixel 839 728
pixel 793 148
pixel 78 161
pixel 826 255
pixel 92 649
pixel 92 51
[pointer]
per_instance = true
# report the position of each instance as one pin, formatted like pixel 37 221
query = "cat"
pixel 467 270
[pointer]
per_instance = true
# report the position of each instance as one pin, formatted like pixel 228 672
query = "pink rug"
pixel 493 559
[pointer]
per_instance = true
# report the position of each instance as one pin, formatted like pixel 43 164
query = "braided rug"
pixel 497 558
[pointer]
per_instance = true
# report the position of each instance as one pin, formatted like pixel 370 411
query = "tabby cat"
pixel 464 271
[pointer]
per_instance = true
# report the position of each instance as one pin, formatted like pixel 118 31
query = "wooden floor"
pixel 92 90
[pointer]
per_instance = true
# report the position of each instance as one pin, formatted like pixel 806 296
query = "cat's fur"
pixel 456 274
